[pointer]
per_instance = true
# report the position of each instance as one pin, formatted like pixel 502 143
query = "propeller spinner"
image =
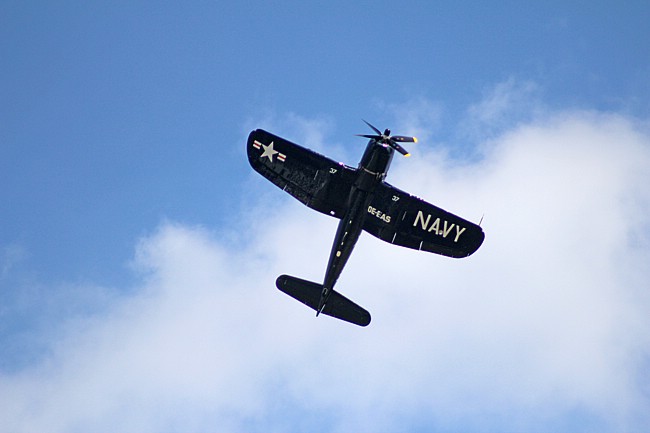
pixel 392 141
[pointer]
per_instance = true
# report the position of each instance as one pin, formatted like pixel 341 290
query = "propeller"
pixel 391 140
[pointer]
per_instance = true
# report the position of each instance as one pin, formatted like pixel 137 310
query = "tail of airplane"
pixel 309 293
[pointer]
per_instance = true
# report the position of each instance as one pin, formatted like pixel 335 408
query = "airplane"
pixel 363 201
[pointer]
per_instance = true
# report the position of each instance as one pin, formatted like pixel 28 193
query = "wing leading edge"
pixel 315 180
pixel 402 219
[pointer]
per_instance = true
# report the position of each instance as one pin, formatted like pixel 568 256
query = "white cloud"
pixel 10 256
pixel 502 106
pixel 545 328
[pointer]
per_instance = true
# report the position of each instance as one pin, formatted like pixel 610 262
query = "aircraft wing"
pixel 317 181
pixel 403 219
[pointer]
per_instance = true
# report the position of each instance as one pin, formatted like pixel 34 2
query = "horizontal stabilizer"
pixel 337 305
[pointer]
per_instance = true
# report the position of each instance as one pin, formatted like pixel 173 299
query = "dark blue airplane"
pixel 362 200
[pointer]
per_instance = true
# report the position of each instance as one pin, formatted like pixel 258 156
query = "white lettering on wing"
pixel 438 227
pixel 379 214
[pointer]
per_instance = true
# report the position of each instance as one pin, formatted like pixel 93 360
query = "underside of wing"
pixel 402 219
pixel 315 180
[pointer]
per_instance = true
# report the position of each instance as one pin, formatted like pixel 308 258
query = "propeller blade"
pixel 404 139
pixel 399 148
pixel 373 128
pixel 386 139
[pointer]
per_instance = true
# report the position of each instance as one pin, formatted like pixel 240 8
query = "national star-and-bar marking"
pixel 269 151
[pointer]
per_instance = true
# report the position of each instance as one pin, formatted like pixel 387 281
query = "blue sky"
pixel 128 209
pixel 115 116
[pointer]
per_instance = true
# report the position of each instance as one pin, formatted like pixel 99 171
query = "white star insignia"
pixel 269 151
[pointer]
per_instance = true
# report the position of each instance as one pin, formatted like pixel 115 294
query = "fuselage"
pixel 372 170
